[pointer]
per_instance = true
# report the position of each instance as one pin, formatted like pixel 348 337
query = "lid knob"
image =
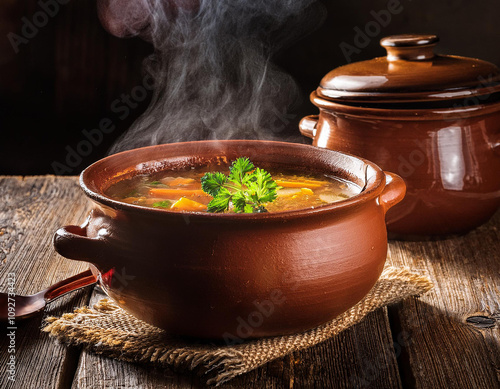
pixel 411 47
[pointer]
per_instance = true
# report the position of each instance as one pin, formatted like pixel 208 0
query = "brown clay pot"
pixel 432 119
pixel 234 276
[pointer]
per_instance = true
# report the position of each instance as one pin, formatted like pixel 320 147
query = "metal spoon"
pixel 26 306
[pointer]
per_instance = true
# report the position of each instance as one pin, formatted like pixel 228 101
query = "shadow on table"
pixel 439 346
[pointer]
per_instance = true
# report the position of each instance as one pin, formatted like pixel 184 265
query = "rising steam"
pixel 212 66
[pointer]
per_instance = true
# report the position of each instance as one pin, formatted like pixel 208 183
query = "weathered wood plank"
pixel 442 349
pixel 31 209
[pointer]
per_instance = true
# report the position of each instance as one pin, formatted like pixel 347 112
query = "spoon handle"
pixel 70 284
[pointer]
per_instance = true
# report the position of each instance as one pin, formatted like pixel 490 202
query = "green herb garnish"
pixel 246 187
pixel 162 204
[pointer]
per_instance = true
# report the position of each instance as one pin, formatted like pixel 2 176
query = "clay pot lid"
pixel 410 72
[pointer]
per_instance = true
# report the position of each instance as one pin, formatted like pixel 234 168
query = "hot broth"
pixel 182 191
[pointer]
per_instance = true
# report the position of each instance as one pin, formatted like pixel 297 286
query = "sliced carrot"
pixel 306 191
pixel 299 184
pixel 320 182
pixel 167 193
pixel 185 204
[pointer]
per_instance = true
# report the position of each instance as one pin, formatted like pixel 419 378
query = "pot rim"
pixel 373 187
pixel 427 114
pixel 451 94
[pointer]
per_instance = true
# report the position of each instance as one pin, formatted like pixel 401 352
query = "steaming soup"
pixel 182 191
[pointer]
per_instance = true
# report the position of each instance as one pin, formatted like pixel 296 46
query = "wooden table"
pixel 448 338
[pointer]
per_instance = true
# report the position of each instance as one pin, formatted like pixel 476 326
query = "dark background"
pixel 66 78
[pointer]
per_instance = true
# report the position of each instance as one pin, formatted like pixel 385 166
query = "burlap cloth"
pixel 108 330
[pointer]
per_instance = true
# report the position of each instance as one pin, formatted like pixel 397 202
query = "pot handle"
pixel 308 124
pixel 72 242
pixel 394 191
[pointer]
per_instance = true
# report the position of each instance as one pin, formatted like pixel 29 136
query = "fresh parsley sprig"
pixel 247 188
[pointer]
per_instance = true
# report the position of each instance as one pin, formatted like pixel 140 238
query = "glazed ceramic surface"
pixel 417 123
pixel 235 276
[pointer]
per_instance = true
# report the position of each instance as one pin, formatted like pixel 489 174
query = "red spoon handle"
pixel 76 282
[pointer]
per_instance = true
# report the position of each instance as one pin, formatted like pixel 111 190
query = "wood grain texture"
pixel 451 335
pixel 31 209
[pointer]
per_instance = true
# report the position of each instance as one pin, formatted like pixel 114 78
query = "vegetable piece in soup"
pixel 182 191
pixel 300 191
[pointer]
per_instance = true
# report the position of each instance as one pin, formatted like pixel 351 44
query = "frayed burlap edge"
pixel 110 331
